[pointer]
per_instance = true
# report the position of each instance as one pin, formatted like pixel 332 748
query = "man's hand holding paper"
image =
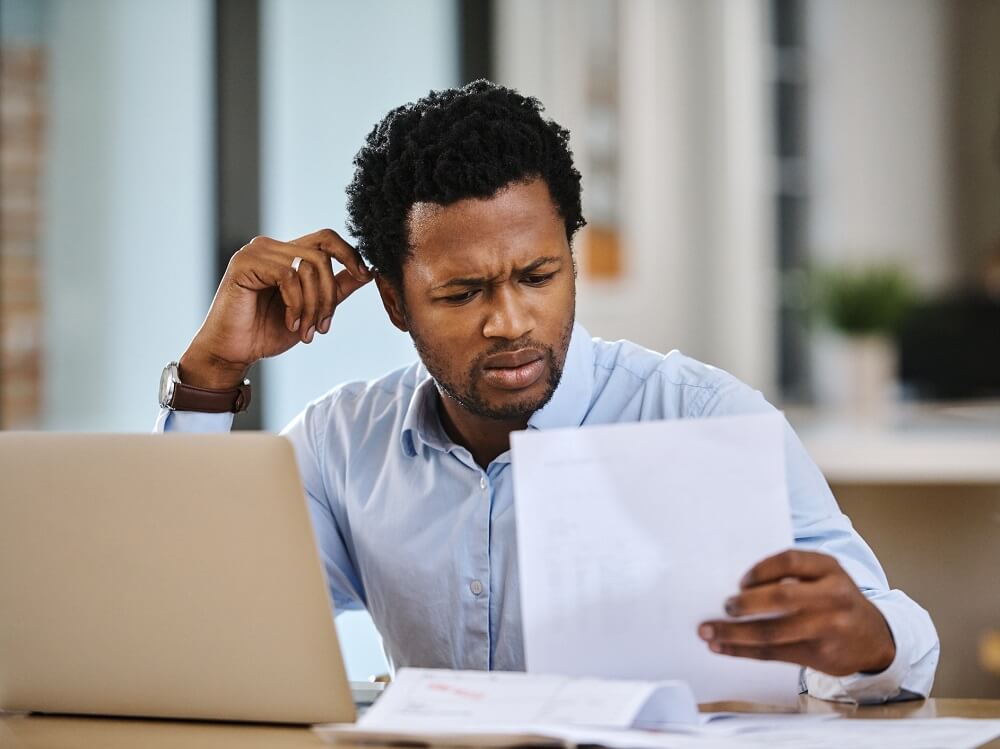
pixel 805 609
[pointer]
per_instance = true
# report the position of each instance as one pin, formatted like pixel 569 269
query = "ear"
pixel 392 300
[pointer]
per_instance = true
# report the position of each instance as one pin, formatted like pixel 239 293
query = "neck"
pixel 484 438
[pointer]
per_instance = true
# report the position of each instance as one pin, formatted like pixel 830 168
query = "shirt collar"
pixel 566 408
pixel 421 423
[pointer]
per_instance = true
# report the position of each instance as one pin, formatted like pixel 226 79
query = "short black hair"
pixel 453 144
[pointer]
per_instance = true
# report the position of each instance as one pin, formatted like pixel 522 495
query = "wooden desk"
pixel 49 732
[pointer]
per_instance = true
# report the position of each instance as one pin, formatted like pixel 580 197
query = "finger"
pixel 801 653
pixel 326 288
pixel 347 284
pixel 806 565
pixel 783 597
pixel 310 300
pixel 331 243
pixel 280 253
pixel 326 241
pixel 291 295
pixel 781 630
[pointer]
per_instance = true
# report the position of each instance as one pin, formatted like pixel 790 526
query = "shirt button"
pixel 476 587
pixel 482 482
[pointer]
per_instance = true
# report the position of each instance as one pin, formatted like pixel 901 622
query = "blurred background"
pixel 803 192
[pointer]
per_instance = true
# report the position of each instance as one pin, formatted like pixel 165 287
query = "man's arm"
pixel 833 610
pixel 273 296
pixel 308 434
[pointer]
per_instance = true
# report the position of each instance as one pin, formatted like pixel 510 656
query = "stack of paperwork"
pixel 498 708
pixel 501 709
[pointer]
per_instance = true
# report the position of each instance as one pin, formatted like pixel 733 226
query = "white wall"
pixel 696 185
pixel 330 71
pixel 878 135
pixel 127 232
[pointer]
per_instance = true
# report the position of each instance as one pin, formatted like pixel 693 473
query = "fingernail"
pixel 715 647
pixel 706 631
pixel 310 334
pixel 745 580
pixel 324 326
pixel 730 606
pixel 296 324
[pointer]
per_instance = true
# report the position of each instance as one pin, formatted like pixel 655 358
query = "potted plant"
pixel 855 362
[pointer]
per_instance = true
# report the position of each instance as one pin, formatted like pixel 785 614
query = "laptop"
pixel 168 576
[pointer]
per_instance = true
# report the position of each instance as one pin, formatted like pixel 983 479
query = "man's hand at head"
pixel 807 610
pixel 273 295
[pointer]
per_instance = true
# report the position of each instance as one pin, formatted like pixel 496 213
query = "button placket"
pixel 479 600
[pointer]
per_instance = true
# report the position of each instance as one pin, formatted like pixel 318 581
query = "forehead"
pixel 482 236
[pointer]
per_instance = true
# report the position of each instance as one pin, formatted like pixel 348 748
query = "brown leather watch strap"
pixel 191 398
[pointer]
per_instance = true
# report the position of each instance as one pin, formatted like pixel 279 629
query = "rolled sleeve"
pixel 911 673
pixel 192 422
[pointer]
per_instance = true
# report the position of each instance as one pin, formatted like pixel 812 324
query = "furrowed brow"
pixel 484 281
pixel 536 264
pixel 470 281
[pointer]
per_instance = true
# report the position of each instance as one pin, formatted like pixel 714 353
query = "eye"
pixel 465 296
pixel 538 279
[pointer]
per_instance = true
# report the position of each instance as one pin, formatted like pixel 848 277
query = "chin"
pixel 516 406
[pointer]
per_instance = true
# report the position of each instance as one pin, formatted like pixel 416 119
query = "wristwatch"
pixel 177 396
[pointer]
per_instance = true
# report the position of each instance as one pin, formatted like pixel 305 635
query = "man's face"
pixel 489 294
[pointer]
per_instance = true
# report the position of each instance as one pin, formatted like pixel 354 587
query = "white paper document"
pixel 508 697
pixel 442 706
pixel 630 535
pixel 502 709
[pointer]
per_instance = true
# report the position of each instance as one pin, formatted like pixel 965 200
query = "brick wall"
pixel 22 73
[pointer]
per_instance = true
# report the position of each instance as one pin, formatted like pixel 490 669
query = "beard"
pixel 464 387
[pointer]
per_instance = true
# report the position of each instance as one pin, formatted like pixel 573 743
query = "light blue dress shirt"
pixel 411 529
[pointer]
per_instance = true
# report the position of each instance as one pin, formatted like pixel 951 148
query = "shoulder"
pixel 676 384
pixel 363 406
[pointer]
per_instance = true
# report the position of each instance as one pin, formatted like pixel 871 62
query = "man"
pixel 465 204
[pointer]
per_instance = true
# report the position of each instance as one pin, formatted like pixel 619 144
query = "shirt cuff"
pixel 864 688
pixel 193 422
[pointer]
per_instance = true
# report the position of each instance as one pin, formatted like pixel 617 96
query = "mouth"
pixel 515 370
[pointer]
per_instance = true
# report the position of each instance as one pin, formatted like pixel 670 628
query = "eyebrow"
pixel 483 280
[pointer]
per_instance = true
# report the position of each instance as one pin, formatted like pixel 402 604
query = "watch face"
pixel 167 380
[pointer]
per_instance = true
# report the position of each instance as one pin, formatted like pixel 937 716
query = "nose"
pixel 509 316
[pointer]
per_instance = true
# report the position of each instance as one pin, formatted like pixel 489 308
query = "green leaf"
pixel 865 301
